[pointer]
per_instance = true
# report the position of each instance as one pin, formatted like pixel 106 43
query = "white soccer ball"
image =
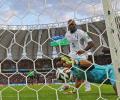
pixel 63 74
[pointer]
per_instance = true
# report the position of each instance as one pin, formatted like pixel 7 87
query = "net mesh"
pixel 28 62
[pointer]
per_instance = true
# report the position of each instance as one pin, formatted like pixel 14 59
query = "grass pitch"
pixel 49 92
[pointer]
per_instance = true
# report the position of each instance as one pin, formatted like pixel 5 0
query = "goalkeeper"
pixel 95 74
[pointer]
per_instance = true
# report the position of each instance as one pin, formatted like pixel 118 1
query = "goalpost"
pixel 113 37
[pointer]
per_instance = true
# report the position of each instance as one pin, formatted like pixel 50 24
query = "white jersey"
pixel 78 41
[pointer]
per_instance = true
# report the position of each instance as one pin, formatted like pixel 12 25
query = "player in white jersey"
pixel 80 44
pixel 79 40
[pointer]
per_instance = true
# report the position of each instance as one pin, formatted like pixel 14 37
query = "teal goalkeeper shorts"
pixel 97 75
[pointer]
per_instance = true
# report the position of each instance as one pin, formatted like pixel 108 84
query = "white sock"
pixel 87 86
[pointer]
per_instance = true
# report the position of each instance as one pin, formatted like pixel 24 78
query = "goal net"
pixel 33 42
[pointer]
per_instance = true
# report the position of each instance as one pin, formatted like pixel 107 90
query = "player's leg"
pixel 77 85
pixel 85 64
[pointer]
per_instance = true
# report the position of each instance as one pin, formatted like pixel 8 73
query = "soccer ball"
pixel 62 74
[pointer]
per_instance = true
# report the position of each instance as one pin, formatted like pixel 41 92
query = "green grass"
pixel 49 93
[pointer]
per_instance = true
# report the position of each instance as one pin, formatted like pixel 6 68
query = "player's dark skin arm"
pixel 89 46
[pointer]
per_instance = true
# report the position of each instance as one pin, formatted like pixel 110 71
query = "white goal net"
pixel 33 42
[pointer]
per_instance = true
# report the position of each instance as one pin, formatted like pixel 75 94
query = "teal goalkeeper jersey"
pixel 96 75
